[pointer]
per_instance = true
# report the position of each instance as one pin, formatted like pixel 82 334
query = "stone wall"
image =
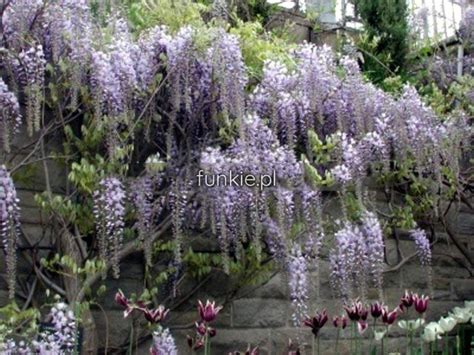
pixel 258 314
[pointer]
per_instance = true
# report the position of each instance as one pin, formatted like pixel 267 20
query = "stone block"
pixel 275 287
pixel 464 289
pixel 260 313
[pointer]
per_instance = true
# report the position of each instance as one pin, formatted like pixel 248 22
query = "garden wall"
pixel 260 314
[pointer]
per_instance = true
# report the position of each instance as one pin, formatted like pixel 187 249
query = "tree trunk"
pixel 70 246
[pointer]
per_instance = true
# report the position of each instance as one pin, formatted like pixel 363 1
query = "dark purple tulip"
pixel 407 299
pixel 190 341
pixel 121 299
pixel 209 311
pixel 155 315
pixel 339 321
pixel 356 311
pixel 389 317
pixel 201 328
pixel 421 303
pixel 194 344
pixel 212 332
pixel 363 313
pixel 316 322
pixel 376 309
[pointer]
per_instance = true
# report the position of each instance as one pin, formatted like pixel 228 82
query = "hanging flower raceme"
pixel 109 212
pixel 20 22
pixel 30 71
pixel 259 154
pixel 142 197
pixel 298 284
pixel 163 343
pixel 9 226
pixel 423 249
pixel 229 73
pixel 10 117
pixel 358 257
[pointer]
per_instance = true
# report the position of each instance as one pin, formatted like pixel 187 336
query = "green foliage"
pixel 65 264
pixel 258 46
pixel 173 14
pixel 385 39
pixel 246 270
pixel 14 321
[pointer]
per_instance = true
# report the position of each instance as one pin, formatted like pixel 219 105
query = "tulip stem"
pixel 313 346
pixel 458 341
pixel 352 338
pixel 410 343
pixel 372 339
pixel 207 350
pixel 319 345
pixel 337 339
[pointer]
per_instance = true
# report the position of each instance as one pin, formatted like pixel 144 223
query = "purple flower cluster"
pixel 9 225
pixel 11 347
pixel 142 197
pixel 30 71
pixel 68 31
pixel 20 20
pixel 114 78
pixel 358 257
pixel 257 153
pixel 369 125
pixel 423 248
pixel 163 343
pixel 298 284
pixel 10 117
pixel 109 212
pixel 374 247
pixel 229 73
pixel 60 338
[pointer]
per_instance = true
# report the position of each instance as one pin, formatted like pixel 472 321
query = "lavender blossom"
pixel 30 70
pixel 9 226
pixel 358 257
pixel 19 21
pixel 423 249
pixel 375 247
pixel 109 211
pixel 298 284
pixel 10 117
pixel 229 73
pixel 62 337
pixel 163 343
pixel 11 347
pixel 142 197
